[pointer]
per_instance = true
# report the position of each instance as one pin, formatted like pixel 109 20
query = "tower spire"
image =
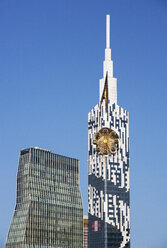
pixel 108 70
pixel 107 50
pixel 107 31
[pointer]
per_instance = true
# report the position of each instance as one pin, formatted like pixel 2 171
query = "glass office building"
pixel 48 210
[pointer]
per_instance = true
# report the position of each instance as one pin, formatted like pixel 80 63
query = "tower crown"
pixel 108 69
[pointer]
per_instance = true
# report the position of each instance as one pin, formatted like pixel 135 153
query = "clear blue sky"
pixel 51 55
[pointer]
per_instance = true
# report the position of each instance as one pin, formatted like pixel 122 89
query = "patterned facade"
pixel 108 175
pixel 48 210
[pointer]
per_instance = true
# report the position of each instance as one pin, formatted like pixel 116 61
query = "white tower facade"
pixel 108 164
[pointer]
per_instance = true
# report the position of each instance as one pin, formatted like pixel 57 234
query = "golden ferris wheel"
pixel 106 141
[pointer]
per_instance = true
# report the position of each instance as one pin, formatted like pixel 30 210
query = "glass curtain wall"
pixel 48 210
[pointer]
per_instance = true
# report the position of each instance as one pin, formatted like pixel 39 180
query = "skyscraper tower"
pixel 108 164
pixel 48 210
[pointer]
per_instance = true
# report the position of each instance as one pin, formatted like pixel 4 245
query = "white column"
pixel 107 31
pixel 107 50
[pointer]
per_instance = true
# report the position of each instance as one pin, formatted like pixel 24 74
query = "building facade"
pixel 85 231
pixel 108 164
pixel 48 210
